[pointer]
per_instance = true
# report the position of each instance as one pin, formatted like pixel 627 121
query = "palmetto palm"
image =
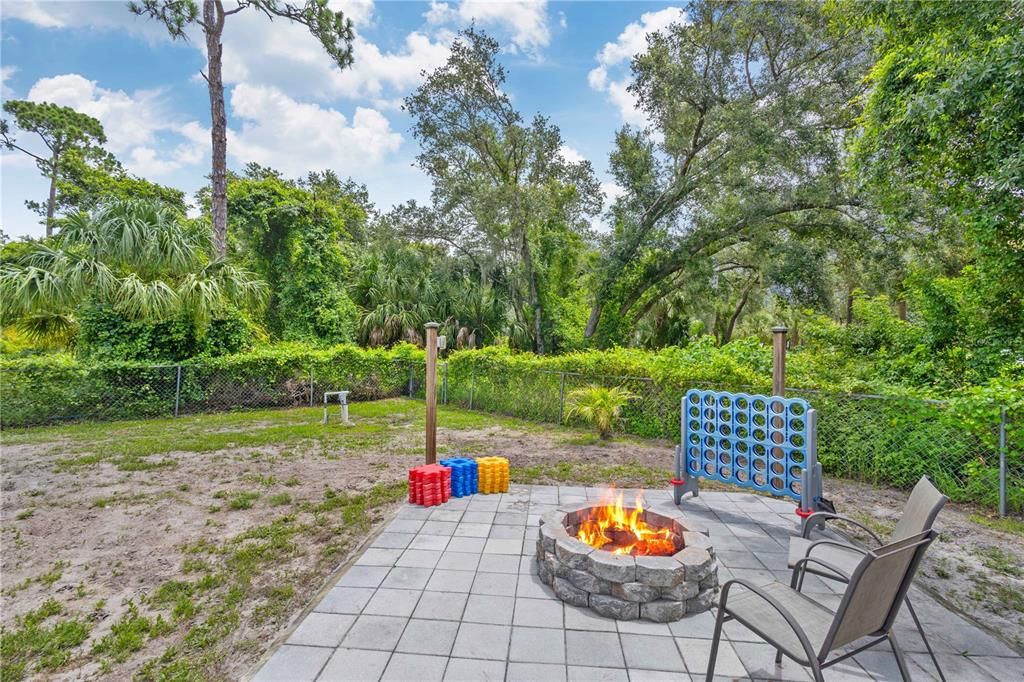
pixel 599 406
pixel 140 257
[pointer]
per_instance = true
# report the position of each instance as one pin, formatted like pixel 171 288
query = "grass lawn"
pixel 180 548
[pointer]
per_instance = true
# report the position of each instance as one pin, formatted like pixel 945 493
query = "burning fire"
pixel 615 529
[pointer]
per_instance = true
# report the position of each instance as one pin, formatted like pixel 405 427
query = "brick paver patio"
pixel 451 593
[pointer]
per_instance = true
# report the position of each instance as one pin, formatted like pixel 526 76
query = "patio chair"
pixel 919 515
pixel 806 631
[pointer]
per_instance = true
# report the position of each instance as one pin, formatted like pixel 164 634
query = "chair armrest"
pixel 821 517
pixel 841 545
pixel 786 615
pixel 801 566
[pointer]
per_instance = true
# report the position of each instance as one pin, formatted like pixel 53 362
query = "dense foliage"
pixel 852 170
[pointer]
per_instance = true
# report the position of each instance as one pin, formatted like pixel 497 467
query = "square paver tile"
pixel 472 530
pixel 502 584
pixel 580 673
pixel 407 578
pixel 577 618
pixel 474 670
pixel 401 525
pixel 391 602
pixel 410 511
pixel 641 675
pixel 480 640
pixel 419 558
pixel 483 503
pixel 405 667
pixel 321 629
pixel 428 637
pixel 438 528
pixel 345 600
pixel 446 515
pixel 363 576
pixel 694 625
pixel 538 613
pixel 508 532
pixel 527 564
pixel 441 606
pixel 510 519
pixel 451 581
pixel 535 672
pixel 651 652
pixel 696 653
pixel 379 556
pixel 458 561
pixel 485 608
pixel 358 665
pixel 375 632
pixel 503 546
pixel 644 627
pixel 537 645
pixel 531 587
pixel 393 540
pixel 591 648
pixel 472 545
pixel 499 563
pixel 435 542
pixel 478 517
pixel 293 663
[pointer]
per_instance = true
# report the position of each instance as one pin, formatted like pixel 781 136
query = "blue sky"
pixel 289 107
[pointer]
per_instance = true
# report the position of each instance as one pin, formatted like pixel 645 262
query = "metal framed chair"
pixel 919 515
pixel 806 631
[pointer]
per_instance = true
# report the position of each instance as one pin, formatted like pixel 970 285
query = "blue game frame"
pixel 765 443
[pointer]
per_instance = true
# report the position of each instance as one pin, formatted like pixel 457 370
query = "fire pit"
pixel 628 562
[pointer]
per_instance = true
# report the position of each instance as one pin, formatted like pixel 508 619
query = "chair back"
pixel 876 590
pixel 919 514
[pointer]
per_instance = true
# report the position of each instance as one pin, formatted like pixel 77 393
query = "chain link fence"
pixel 974 456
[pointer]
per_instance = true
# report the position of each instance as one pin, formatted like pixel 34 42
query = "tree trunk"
pixel 901 309
pixel 849 308
pixel 595 317
pixel 731 325
pixel 51 202
pixel 538 337
pixel 213 17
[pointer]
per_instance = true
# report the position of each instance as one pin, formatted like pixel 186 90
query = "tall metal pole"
pixel 431 392
pixel 779 360
pixel 1002 461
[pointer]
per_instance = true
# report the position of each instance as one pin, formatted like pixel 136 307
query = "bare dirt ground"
pixel 180 549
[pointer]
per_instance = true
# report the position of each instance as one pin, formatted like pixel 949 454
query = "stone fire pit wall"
pixel 657 588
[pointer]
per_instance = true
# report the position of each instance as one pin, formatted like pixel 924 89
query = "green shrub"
pixel 599 406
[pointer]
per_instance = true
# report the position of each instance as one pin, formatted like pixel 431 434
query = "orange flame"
pixel 632 534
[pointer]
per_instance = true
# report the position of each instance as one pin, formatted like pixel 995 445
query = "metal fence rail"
pixel 879 439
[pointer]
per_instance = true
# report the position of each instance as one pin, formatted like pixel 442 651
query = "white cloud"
pixel 359 11
pixel 136 124
pixel 611 192
pixel 615 56
pixel 6 73
pixel 96 15
pixel 295 137
pixel 571 155
pixel 285 56
pixel 525 21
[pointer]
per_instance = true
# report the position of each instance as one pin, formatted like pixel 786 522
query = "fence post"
pixel 311 386
pixel 444 383
pixel 177 392
pixel 472 385
pixel 431 392
pixel 410 378
pixel 1002 461
pixel 561 398
pixel 779 360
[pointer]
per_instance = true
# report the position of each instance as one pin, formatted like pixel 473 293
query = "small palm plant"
pixel 599 406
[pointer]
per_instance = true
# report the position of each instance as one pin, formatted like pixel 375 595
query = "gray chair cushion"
pixel 757 614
